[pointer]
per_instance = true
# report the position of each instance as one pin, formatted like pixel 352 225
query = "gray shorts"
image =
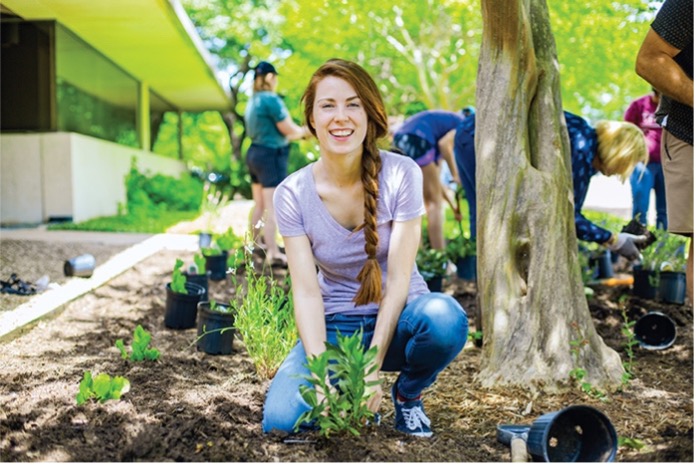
pixel 678 167
pixel 267 166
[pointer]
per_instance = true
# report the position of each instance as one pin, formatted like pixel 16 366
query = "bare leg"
pixel 432 196
pixel 256 212
pixel 269 227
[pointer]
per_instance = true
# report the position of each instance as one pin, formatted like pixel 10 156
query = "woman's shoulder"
pixel 396 162
pixel 298 180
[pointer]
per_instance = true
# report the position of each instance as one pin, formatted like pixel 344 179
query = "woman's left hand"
pixel 375 399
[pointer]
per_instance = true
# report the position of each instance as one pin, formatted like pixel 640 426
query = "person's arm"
pixel 655 64
pixel 446 147
pixel 307 300
pixel 403 245
pixel 291 130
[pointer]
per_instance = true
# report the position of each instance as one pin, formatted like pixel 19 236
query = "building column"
pixel 143 116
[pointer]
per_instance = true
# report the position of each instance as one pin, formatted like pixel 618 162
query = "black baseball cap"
pixel 264 68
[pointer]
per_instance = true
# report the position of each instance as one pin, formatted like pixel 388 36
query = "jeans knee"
pixel 446 320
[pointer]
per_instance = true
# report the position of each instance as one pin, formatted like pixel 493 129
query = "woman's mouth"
pixel 341 133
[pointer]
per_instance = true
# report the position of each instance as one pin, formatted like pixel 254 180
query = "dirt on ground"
pixel 194 407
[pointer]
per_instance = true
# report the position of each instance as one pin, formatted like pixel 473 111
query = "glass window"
pixel 164 127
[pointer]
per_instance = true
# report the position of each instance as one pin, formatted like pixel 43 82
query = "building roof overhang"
pixel 152 40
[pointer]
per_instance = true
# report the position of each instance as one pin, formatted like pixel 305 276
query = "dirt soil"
pixel 190 406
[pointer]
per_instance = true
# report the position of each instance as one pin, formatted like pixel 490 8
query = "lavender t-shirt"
pixel 338 252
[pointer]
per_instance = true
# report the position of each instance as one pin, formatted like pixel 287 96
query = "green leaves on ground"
pixel 344 405
pixel 178 279
pixel 102 387
pixel 140 349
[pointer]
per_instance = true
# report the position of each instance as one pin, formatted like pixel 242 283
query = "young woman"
pixel 356 215
pixel 270 127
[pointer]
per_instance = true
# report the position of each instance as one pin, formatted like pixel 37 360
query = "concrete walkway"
pixel 137 247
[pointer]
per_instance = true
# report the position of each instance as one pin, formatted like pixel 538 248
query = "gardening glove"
pixel 625 244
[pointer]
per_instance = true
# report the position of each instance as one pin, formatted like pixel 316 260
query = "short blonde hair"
pixel 620 146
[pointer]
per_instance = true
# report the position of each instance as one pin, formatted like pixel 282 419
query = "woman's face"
pixel 338 117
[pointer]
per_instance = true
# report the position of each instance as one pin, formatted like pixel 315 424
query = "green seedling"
pixel 631 443
pixel 102 387
pixel 577 373
pixel 343 409
pixel 199 261
pixel 140 349
pixel 229 240
pixel 178 279
pixel 631 342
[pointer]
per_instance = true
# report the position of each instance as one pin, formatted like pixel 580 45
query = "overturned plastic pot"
pixel 577 433
pixel 655 331
pixel 80 266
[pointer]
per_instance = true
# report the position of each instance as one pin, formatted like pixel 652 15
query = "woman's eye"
pixel 326 106
pixel 354 104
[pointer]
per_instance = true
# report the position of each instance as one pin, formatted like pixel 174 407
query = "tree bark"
pixel 235 118
pixel 531 292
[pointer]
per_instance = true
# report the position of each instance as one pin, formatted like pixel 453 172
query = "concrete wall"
pixel 47 175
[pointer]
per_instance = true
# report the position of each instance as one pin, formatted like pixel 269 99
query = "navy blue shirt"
pixel 583 148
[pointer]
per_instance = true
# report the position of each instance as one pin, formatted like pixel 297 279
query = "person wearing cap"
pixel 270 128
pixel 609 147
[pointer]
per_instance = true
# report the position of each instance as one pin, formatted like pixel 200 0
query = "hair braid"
pixel 370 276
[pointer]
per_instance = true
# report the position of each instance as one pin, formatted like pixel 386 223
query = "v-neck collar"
pixel 323 210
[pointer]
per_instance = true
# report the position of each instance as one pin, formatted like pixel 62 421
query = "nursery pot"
pixel 435 284
pixel 605 268
pixel 672 288
pixel 643 280
pixel 209 321
pixel 575 434
pixel 217 266
pixel 199 279
pixel 655 331
pixel 466 268
pixel 180 309
pixel 79 266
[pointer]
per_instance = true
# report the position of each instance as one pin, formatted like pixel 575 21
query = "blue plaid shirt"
pixel 583 148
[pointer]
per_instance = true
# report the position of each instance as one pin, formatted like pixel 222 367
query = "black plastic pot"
pixel 435 284
pixel 199 279
pixel 672 288
pixel 217 266
pixel 466 268
pixel 180 309
pixel 210 340
pixel 643 280
pixel 655 331
pixel 604 266
pixel 575 434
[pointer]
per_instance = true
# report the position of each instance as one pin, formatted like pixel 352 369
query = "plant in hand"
pixel 265 321
pixel 338 374
pixel 140 348
pixel 178 284
pixel 102 387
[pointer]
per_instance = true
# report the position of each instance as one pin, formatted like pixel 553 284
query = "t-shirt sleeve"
pixel 276 109
pixel 288 212
pixel 633 113
pixel 409 195
pixel 675 22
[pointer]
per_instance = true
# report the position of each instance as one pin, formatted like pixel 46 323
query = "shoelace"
pixel 415 417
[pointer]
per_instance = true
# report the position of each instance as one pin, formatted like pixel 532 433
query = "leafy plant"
pixel 178 284
pixel 215 306
pixel 460 247
pixel 339 374
pixel 102 387
pixel 199 261
pixel 631 342
pixel 265 321
pixel 667 253
pixel 577 373
pixel 431 262
pixel 631 443
pixel 228 240
pixel 140 348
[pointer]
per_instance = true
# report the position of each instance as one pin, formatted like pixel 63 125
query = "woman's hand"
pixel 375 399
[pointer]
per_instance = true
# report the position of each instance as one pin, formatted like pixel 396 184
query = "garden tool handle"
pixel 518 449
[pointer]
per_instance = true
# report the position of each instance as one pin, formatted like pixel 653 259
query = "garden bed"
pixel 190 406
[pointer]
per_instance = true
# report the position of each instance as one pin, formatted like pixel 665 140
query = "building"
pixel 86 85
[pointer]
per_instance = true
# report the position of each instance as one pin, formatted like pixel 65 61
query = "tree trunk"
pixel 531 292
pixel 235 118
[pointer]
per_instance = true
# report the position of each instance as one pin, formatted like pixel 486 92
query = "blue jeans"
pixel 652 179
pixel 431 332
